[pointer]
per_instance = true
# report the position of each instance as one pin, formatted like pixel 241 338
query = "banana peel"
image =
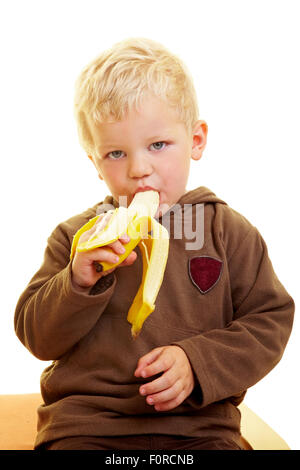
pixel 144 231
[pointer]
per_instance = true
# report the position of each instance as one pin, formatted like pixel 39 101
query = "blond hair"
pixel 117 80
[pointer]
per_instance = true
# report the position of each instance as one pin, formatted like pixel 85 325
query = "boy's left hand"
pixel 174 385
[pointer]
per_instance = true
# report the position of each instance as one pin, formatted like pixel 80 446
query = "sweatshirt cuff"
pixel 202 394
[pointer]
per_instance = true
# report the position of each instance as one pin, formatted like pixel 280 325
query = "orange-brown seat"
pixel 18 420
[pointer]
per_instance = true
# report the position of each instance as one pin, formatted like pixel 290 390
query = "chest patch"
pixel 205 272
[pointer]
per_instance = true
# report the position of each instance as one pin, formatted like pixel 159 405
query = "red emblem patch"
pixel 205 272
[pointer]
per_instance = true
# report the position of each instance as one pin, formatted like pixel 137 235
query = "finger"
pixel 164 382
pixel 112 258
pixel 173 403
pixel 117 247
pixel 130 259
pixel 102 254
pixel 161 363
pixel 145 360
pixel 124 238
pixel 165 395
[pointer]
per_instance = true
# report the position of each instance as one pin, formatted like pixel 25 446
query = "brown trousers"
pixel 141 442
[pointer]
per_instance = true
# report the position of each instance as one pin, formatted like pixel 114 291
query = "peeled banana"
pixel 143 230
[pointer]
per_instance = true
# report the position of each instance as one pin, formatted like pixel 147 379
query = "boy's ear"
pixel 199 139
pixel 92 160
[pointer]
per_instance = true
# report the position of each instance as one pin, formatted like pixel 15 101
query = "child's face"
pixel 149 149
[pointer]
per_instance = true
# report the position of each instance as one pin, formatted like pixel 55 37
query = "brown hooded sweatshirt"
pixel 221 303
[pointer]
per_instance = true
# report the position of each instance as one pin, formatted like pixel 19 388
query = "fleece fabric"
pixel 220 301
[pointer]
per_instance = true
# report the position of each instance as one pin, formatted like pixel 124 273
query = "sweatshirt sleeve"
pixel 229 360
pixel 51 316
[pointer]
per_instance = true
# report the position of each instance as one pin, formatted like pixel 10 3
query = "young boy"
pixel 222 318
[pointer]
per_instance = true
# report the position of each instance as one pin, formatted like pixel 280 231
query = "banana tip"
pixel 135 333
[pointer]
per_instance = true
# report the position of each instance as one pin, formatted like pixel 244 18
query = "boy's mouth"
pixel 162 208
pixel 145 188
pixel 148 188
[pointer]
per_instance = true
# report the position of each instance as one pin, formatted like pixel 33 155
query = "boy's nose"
pixel 139 166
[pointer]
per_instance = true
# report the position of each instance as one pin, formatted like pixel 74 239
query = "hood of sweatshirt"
pixel 201 195
pixel 198 196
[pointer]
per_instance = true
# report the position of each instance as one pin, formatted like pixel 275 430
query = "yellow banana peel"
pixel 144 231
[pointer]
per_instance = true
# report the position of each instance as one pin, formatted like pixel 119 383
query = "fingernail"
pixel 143 373
pixel 143 391
pixel 122 249
pixel 150 400
pixel 116 258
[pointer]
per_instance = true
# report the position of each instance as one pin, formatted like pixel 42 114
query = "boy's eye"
pixel 158 145
pixel 115 154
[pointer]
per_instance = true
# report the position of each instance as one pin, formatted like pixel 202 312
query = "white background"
pixel 244 56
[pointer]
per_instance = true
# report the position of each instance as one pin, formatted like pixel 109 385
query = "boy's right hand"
pixel 84 273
